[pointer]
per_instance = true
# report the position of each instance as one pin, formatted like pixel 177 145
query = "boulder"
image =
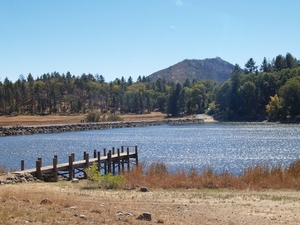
pixel 145 216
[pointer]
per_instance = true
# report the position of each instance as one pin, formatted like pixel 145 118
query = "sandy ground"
pixel 84 203
pixel 56 119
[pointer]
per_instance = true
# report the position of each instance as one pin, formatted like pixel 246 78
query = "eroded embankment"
pixel 45 129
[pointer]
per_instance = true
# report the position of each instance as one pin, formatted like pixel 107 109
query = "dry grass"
pixel 174 198
pixel 2 169
pixel 255 178
pixel 39 120
pixel 21 204
pixel 56 119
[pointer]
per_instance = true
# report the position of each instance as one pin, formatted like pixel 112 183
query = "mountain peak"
pixel 215 69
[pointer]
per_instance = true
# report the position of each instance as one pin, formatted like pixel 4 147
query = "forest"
pixel 269 91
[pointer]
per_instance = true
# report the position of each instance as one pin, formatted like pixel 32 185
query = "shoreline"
pixel 59 128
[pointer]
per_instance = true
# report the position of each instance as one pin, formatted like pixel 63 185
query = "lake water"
pixel 222 146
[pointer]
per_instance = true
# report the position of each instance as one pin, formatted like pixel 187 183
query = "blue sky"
pixel 118 38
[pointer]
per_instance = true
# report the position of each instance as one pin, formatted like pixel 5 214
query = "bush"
pixel 107 181
pixel 92 117
pixel 112 182
pixel 113 117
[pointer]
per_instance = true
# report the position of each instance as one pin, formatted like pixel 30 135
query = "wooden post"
pixel 99 164
pixel 128 160
pixel 22 164
pixel 84 155
pixel 95 153
pixel 113 162
pixel 105 165
pixel 55 171
pixel 73 158
pixel 119 163
pixel 40 159
pixel 123 161
pixel 87 164
pixel 109 161
pixel 71 170
pixel 38 169
pixel 136 156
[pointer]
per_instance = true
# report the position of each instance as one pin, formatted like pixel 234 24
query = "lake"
pixel 221 146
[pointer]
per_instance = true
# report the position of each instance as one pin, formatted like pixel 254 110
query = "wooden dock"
pixel 115 161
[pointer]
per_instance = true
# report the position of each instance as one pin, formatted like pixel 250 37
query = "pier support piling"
pixel 38 169
pixel 55 171
pixel 71 169
pixel 22 164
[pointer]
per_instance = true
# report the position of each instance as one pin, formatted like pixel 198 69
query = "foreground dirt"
pixel 84 203
pixel 55 119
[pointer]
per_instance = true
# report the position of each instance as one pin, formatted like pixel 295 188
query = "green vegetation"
pixel 249 94
pixel 107 181
pixel 92 117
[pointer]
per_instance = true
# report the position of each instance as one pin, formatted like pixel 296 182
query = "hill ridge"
pixel 215 69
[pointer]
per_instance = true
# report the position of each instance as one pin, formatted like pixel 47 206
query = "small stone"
pixel 23 180
pixel 73 207
pixel 46 201
pixel 74 180
pixel 82 217
pixel 145 216
pixel 14 198
pixel 144 189
pixel 123 214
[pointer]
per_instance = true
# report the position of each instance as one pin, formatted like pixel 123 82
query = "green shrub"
pixel 92 172
pixel 110 181
pixel 113 117
pixel 92 117
pixel 107 181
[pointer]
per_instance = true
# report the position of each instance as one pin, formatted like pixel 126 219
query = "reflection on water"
pixel 222 146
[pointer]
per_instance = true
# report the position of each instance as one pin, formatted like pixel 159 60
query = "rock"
pixel 14 198
pixel 82 217
pixel 123 214
pixel 74 180
pixel 46 201
pixel 23 180
pixel 145 216
pixel 73 207
pixel 144 189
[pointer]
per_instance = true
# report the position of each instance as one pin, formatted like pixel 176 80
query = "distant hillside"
pixel 214 69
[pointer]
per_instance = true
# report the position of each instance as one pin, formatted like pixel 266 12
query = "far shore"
pixel 27 120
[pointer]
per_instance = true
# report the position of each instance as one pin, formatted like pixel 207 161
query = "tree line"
pixel 251 93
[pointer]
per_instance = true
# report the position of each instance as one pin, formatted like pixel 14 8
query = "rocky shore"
pixel 17 178
pixel 46 129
